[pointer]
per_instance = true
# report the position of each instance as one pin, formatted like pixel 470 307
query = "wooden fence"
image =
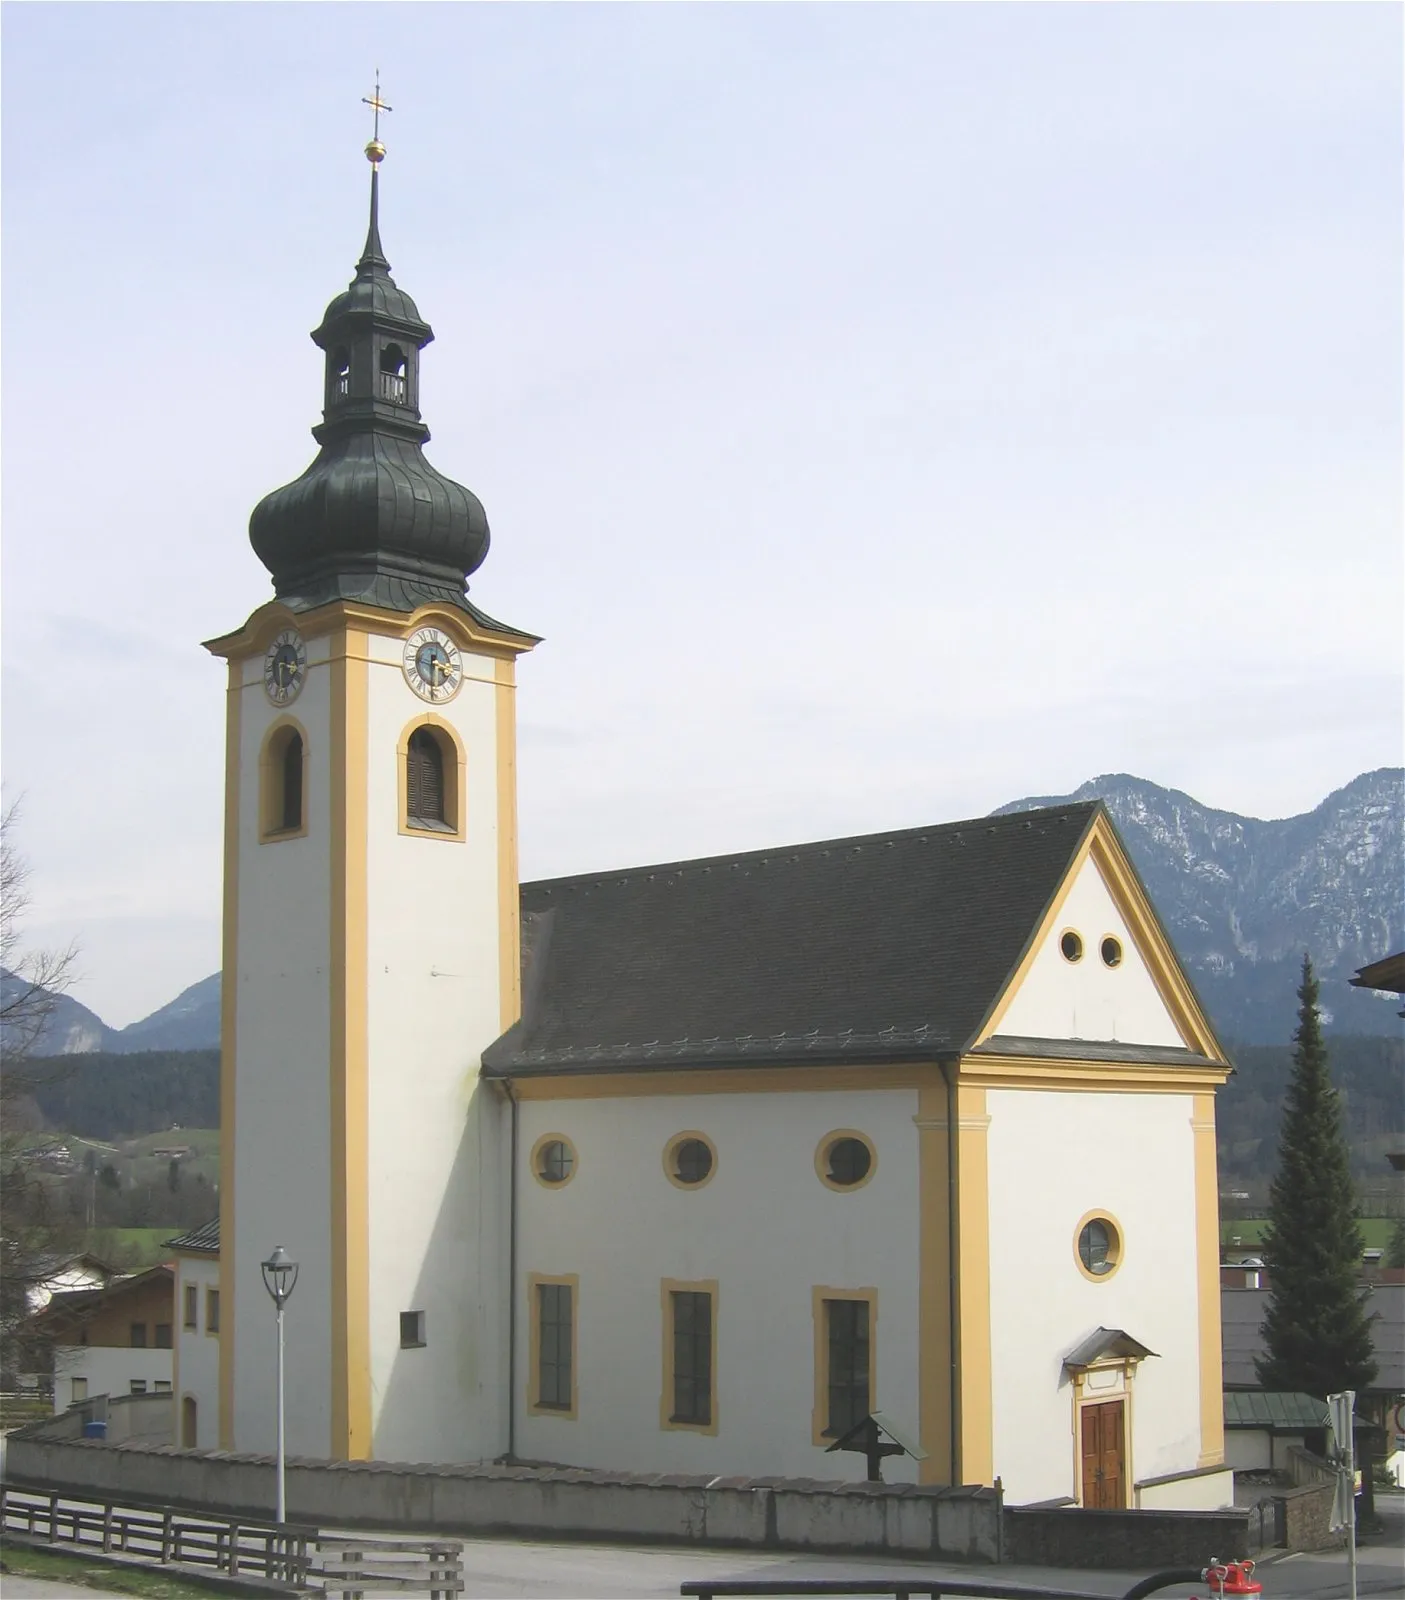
pixel 296 1558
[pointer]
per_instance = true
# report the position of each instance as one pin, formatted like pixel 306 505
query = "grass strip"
pixel 81 1573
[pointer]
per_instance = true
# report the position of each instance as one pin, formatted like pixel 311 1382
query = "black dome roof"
pixel 371 519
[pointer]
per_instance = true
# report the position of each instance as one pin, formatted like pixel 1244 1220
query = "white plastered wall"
pixel 108 1369
pixel 197 1366
pixel 764 1227
pixel 433 1006
pixel 1055 1156
pixel 1086 999
pixel 282 1106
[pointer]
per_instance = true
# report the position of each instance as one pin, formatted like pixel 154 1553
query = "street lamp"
pixel 280 1275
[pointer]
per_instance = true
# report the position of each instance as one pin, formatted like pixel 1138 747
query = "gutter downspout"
pixel 953 1258
pixel 512 1285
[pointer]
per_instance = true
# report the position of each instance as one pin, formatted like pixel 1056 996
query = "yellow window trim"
pixel 190 1307
pixel 822 1150
pixel 455 778
pixel 534 1161
pixel 271 780
pixel 1116 1251
pixel 535 1280
pixel 670 1153
pixel 213 1333
pixel 668 1288
pixel 819 1418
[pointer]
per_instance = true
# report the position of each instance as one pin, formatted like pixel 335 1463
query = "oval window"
pixel 846 1161
pixel 1099 1247
pixel 690 1160
pixel 1071 945
pixel 1112 952
pixel 553 1161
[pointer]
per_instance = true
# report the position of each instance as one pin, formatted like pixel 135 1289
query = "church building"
pixel 680 1168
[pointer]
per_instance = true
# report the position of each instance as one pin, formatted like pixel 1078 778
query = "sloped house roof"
pixel 885 947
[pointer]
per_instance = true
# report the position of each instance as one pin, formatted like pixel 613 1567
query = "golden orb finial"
pixel 375 151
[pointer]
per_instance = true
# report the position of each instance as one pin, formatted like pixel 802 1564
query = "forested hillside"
pixel 104 1096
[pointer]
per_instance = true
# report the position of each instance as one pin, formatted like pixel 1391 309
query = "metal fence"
pixel 293 1557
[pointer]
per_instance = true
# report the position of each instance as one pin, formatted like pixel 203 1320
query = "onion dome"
pixel 371 519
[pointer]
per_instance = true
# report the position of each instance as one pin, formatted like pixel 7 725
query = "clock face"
pixel 284 668
pixel 433 666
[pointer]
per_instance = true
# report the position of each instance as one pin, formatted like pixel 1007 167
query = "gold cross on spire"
pixel 375 151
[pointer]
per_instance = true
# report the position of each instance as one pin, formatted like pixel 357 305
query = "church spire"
pixel 373 256
pixel 371 519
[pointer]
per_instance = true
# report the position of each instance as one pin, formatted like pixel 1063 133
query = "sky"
pixel 882 412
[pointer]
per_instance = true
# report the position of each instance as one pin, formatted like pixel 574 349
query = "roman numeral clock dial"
pixel 284 668
pixel 433 665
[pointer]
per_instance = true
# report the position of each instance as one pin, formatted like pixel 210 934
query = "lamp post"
pixel 280 1274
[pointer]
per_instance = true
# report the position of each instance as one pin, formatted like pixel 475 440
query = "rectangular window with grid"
pixel 138 1336
pixel 847 1338
pixel 691 1315
pixel 554 1340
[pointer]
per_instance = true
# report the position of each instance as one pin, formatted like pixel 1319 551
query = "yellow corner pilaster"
pixel 976 1419
pixel 509 891
pixel 351 1301
pixel 229 999
pixel 1207 1258
pixel 935 1357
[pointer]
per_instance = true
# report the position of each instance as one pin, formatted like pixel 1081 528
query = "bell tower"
pixel 371 942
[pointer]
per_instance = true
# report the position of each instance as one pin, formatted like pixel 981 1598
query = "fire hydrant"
pixel 1231 1577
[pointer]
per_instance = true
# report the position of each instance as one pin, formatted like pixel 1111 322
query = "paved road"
pixel 503 1569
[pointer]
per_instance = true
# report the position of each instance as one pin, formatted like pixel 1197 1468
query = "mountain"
pixel 1243 899
pixel 189 1022
pixel 68 1029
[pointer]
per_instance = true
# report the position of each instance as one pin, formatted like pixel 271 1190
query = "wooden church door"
pixel 1102 1456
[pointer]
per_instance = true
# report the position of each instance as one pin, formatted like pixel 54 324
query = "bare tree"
pixel 33 1233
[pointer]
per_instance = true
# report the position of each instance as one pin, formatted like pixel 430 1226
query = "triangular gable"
pixel 1146 999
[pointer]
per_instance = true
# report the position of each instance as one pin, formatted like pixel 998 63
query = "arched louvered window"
pixel 292 783
pixel 282 800
pixel 424 783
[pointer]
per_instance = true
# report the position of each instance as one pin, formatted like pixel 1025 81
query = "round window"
pixel 553 1161
pixel 1071 945
pixel 689 1160
pixel 1099 1247
pixel 1112 952
pixel 845 1161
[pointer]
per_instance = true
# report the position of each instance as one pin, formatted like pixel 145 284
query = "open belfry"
pixel 691 1167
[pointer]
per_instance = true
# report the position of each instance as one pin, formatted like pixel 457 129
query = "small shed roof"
pixel 1279 1413
pixel 1104 1342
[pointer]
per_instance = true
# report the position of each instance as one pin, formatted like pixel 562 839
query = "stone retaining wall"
pixel 1126 1540
pixel 535 1502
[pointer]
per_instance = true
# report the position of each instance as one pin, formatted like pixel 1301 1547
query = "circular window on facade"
pixel 1099 1246
pixel 1112 952
pixel 689 1160
pixel 553 1160
pixel 1071 945
pixel 845 1159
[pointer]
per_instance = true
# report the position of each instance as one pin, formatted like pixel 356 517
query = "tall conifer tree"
pixel 1317 1336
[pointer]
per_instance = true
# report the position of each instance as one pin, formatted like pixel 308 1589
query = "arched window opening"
pixel 339 367
pixel 425 799
pixel 292 784
pixel 190 1423
pixel 393 374
pixel 282 813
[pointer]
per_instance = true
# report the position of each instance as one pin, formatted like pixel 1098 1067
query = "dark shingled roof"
pixel 205 1238
pixel 888 947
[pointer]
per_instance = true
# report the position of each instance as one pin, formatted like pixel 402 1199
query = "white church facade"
pixel 690 1167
